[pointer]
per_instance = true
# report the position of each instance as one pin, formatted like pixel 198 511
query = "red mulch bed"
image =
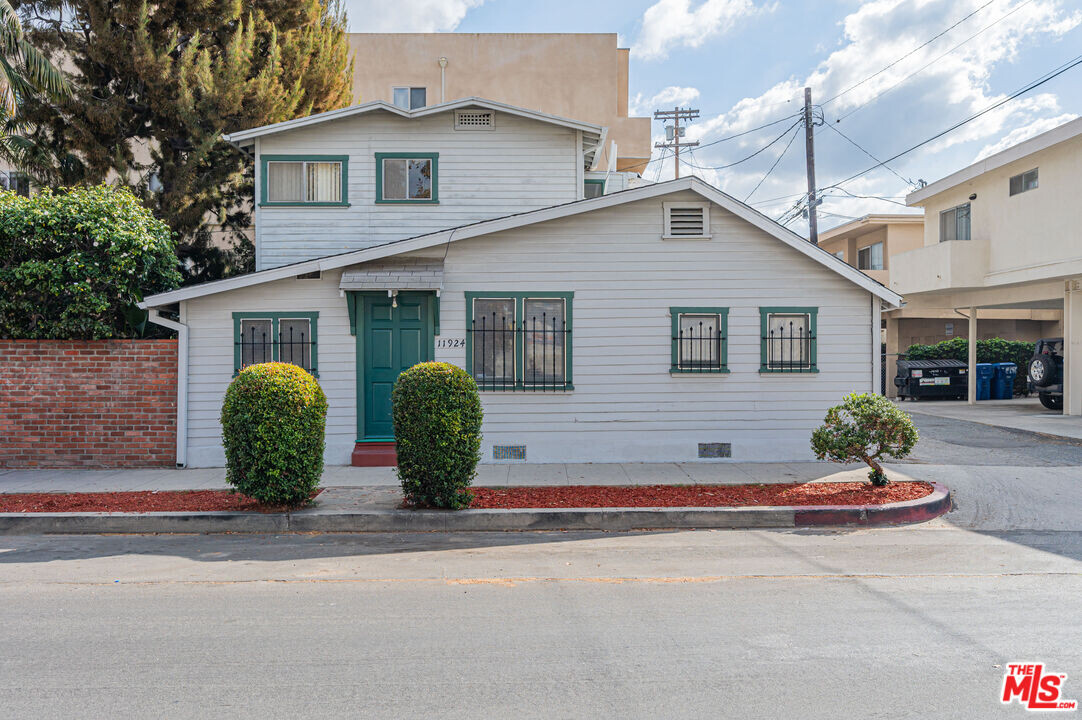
pixel 594 496
pixel 139 501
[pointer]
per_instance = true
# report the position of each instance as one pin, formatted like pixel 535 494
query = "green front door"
pixel 390 339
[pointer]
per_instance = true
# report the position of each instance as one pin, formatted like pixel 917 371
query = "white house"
pixel 665 322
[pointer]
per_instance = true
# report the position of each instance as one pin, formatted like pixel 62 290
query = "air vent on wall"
pixel 475 119
pixel 686 220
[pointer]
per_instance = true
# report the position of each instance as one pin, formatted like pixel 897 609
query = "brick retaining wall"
pixel 88 404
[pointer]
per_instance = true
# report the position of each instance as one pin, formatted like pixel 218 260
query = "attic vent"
pixel 474 119
pixel 687 220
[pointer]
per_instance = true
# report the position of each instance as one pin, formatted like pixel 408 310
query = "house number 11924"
pixel 450 342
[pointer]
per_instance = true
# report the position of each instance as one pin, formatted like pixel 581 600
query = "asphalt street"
pixel 908 622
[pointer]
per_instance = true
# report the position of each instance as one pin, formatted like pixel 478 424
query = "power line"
pixel 868 197
pixel 934 61
pixel 903 57
pixel 780 156
pixel 749 157
pixel 1056 72
pixel 873 157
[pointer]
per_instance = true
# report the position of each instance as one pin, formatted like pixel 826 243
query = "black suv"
pixel 1046 372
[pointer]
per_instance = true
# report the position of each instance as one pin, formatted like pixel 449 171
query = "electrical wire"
pixel 903 57
pixel 1050 75
pixel 866 197
pixel 795 132
pixel 934 61
pixel 857 145
pixel 749 157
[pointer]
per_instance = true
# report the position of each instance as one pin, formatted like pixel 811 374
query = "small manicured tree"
pixel 273 423
pixel 865 428
pixel 437 430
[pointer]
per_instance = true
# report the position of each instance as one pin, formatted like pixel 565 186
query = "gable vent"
pixel 686 220
pixel 475 119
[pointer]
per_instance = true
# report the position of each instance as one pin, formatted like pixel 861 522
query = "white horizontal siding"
pixel 625 405
pixel 520 165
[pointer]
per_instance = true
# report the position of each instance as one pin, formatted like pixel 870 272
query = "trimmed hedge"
pixel 865 428
pixel 437 429
pixel 75 263
pixel 993 350
pixel 273 423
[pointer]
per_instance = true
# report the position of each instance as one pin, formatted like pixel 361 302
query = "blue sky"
pixel 744 63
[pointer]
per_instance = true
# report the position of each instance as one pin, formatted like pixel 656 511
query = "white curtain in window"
pixel 285 182
pixel 788 341
pixel 324 181
pixel 394 179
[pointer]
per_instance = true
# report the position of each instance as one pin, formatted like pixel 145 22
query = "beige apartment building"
pixel 580 76
pixel 868 243
pixel 1002 236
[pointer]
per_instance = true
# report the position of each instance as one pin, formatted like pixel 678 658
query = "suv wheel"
pixel 1042 371
pixel 1052 402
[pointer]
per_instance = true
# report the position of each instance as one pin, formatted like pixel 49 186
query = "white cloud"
pixel 669 23
pixel 899 107
pixel 407 15
pixel 1023 133
pixel 667 98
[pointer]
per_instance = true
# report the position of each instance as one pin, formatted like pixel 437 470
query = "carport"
pixel 967 305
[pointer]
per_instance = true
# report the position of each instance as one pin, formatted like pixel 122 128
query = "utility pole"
pixel 674 132
pixel 809 143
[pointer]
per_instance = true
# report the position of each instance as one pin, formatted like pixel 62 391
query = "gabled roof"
pixel 593 136
pixel 508 222
pixel 1045 140
pixel 869 223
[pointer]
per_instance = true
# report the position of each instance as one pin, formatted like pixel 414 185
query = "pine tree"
pixel 156 85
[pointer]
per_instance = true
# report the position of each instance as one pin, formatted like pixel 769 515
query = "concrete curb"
pixel 612 519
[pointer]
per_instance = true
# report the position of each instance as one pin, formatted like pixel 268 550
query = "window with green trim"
pixel 292 180
pixel 788 339
pixel 519 341
pixel 699 342
pixel 288 337
pixel 593 188
pixel 410 178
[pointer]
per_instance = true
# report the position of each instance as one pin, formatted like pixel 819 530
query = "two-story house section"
pixel 1003 235
pixel 664 322
pixel 369 174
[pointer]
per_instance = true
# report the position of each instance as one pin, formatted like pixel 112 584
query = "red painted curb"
pixel 899 513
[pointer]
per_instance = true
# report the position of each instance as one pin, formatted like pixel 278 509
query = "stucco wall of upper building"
pixel 583 76
pixel 1030 236
pixel 898 233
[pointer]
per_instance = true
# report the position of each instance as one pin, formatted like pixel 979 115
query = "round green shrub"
pixel 273 422
pixel 865 428
pixel 437 429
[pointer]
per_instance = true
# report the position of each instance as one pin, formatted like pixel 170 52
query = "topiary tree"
pixel 273 422
pixel 437 429
pixel 865 428
pixel 73 264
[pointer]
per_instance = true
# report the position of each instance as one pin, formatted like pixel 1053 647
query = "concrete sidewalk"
pixel 487 475
pixel 1025 414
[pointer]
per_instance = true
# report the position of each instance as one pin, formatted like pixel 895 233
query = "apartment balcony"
pixel 949 265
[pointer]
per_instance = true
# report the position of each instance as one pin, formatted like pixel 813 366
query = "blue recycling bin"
pixel 985 373
pixel 1003 380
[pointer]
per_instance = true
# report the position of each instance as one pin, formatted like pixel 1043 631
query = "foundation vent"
pixel 715 450
pixel 508 452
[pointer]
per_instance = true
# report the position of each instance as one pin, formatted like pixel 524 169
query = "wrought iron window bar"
pixel 541 364
pixel 262 347
pixel 790 352
pixel 699 349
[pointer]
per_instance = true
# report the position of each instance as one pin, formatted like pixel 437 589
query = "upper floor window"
pixel 954 223
pixel 593 188
pixel 1025 181
pixel 871 257
pixel 407 177
pixel 304 180
pixel 410 98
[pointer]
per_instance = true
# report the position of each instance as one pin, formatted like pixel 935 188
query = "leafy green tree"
pixel 75 264
pixel 24 72
pixel 157 84
pixel 865 428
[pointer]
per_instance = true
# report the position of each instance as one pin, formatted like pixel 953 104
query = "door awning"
pixel 394 274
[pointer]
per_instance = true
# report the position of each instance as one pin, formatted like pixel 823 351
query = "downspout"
pixel 443 84
pixel 182 382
